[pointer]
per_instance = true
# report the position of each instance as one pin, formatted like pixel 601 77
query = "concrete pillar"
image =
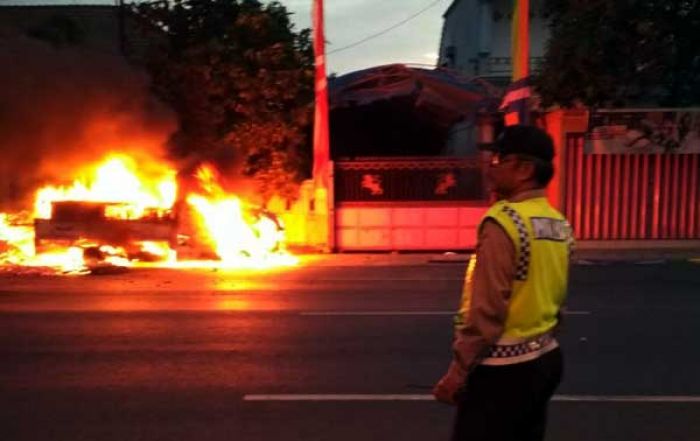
pixel 559 124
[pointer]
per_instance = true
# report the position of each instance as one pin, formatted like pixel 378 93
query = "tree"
pixel 240 78
pixel 59 31
pixel 615 53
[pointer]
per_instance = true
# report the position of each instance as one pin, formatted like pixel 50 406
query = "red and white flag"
pixel 321 129
pixel 516 102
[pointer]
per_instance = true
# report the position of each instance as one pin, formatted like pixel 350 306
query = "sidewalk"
pixel 580 257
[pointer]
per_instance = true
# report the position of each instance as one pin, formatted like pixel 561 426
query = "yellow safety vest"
pixel 543 240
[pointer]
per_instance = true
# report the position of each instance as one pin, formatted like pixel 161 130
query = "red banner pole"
pixel 321 136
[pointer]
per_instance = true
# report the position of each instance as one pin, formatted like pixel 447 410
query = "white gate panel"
pixel 374 217
pixel 442 217
pixel 374 238
pixel 408 217
pixel 408 238
pixel 393 227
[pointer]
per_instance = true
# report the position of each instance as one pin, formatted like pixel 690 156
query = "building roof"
pixel 447 89
pixel 399 110
pixel 451 7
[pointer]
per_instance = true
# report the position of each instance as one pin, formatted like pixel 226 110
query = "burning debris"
pixel 17 251
pixel 115 215
pixel 234 231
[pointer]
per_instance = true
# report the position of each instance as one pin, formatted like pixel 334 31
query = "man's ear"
pixel 526 170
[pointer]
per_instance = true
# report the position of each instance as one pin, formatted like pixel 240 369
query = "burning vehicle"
pixel 78 222
pixel 122 213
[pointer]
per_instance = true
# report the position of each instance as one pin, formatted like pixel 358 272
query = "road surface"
pixel 324 352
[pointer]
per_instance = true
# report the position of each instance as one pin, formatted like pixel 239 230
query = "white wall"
pixel 480 30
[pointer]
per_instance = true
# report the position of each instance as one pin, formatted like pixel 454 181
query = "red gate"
pixel 401 204
pixel 631 196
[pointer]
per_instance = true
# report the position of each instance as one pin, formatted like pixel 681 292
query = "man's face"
pixel 508 173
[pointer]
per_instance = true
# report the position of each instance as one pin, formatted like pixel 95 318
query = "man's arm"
pixel 492 285
pixel 485 318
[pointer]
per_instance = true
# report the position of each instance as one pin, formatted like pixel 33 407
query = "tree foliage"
pixel 615 53
pixel 240 79
pixel 59 31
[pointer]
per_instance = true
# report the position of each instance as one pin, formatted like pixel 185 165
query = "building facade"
pixel 476 37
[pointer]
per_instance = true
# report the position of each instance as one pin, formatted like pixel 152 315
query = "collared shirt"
pixel 492 281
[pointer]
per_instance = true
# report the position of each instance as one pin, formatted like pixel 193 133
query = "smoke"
pixel 61 108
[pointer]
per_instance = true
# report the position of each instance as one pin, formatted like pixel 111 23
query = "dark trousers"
pixel 508 403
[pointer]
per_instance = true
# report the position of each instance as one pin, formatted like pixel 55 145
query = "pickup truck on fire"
pixel 73 221
pixel 92 225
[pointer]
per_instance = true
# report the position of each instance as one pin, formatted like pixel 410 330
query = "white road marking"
pixel 425 397
pixel 337 397
pixel 630 398
pixel 398 313
pixel 373 313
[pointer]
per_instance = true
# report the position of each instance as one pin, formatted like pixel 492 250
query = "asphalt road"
pixel 204 355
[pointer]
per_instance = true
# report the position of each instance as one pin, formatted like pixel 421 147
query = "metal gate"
pixel 631 196
pixel 402 204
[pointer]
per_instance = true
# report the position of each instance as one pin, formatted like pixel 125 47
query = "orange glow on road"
pixel 233 305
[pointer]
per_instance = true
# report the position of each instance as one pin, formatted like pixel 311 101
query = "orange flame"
pixel 238 236
pixel 17 249
pixel 115 180
pixel 236 240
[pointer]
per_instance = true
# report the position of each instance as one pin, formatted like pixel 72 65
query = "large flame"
pixel 129 190
pixel 237 237
pixel 115 180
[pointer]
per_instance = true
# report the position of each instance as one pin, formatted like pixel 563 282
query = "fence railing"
pixel 631 196
pixel 409 179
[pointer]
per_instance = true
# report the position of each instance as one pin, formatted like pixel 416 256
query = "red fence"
pixel 631 196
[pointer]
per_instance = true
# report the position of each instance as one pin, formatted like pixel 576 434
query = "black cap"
pixel 523 140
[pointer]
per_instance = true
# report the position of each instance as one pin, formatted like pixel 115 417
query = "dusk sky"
pixel 349 21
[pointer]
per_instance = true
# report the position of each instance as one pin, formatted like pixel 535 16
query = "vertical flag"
pixel 321 136
pixel 520 39
pixel 516 102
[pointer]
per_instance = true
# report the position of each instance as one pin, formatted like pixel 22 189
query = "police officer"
pixel 507 362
